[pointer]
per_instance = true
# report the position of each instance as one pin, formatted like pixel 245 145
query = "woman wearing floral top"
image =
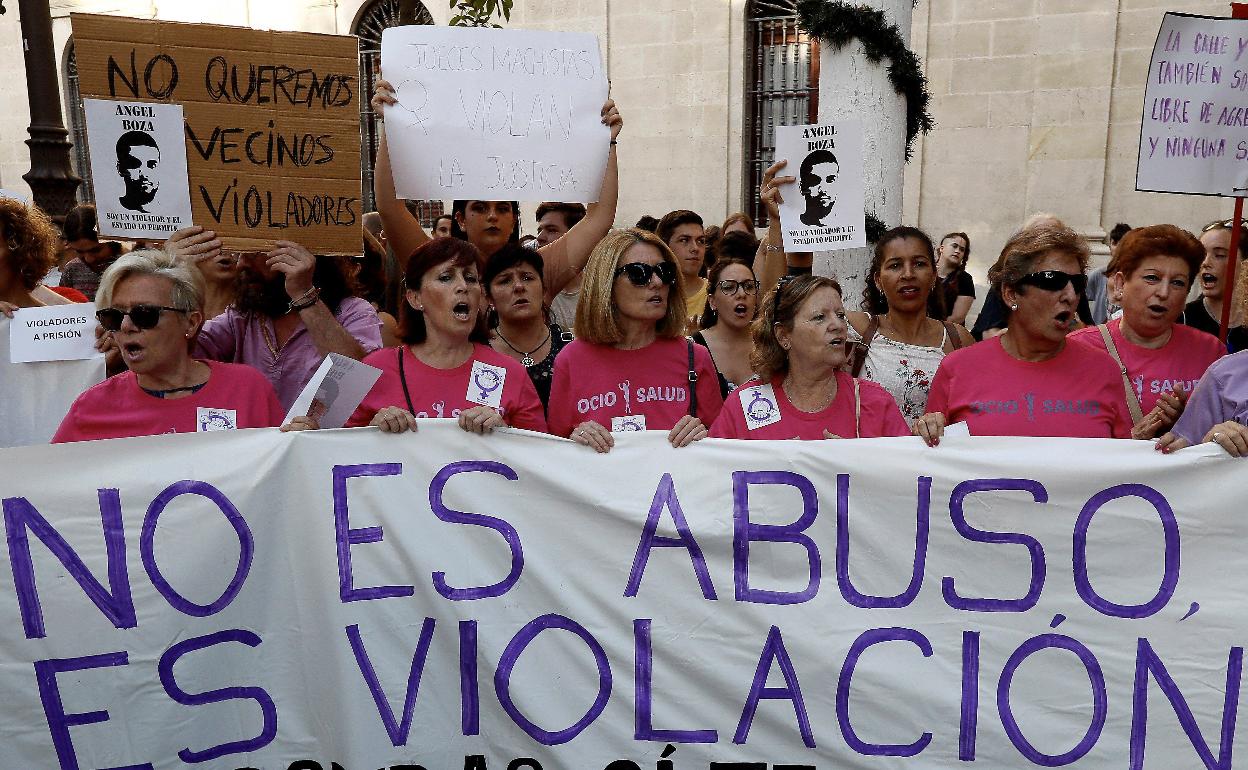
pixel 903 345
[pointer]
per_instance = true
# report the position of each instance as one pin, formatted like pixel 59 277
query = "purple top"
pixel 1221 396
pixel 240 339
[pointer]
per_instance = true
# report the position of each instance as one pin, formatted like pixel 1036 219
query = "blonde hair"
pixel 188 284
pixel 779 308
pixel 597 316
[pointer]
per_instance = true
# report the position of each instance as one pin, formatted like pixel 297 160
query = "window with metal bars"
pixel 374 18
pixel 782 87
pixel 77 118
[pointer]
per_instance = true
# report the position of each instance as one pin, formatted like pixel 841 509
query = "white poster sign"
pixel 35 397
pixel 138 168
pixel 443 600
pixel 825 210
pixel 490 114
pixel 334 392
pixel 1194 131
pixel 53 333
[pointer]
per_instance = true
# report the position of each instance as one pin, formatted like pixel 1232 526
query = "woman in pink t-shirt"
pixel 800 344
pixel 1029 381
pixel 151 309
pixel 631 367
pixel 1152 271
pixel 444 368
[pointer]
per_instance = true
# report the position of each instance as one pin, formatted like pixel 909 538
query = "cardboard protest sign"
pixel 272 121
pixel 138 168
pixel 336 389
pixel 34 397
pixel 825 210
pixel 446 600
pixel 490 114
pixel 53 333
pixel 1194 131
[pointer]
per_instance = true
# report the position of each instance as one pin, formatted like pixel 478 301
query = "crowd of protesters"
pixel 585 331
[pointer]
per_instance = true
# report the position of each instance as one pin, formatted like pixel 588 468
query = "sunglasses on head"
pixel 728 287
pixel 1055 280
pixel 639 273
pixel 1223 224
pixel 142 316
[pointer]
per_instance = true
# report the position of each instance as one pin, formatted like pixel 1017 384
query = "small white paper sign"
pixel 138 168
pixel 1194 129
pixel 334 392
pixel 760 407
pixel 825 210
pixel 628 423
pixel 485 385
pixel 53 333
pixel 492 114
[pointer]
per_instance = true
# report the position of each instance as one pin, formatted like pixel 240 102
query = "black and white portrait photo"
pixel 138 168
pixel 138 163
pixel 825 210
pixel 817 178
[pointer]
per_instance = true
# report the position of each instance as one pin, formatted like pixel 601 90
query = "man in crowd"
pixel 553 221
pixel 442 226
pixel 91 255
pixel 1098 280
pixel 683 233
pixel 293 309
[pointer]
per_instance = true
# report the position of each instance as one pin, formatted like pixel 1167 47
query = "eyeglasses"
pixel 1055 280
pixel 730 287
pixel 142 316
pixel 639 273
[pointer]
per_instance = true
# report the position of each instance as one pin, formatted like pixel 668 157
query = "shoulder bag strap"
pixel 1133 402
pixel 403 380
pixel 952 331
pixel 861 348
pixel 693 381
pixel 857 409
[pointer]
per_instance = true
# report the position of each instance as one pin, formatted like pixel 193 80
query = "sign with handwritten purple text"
pixel 443 600
pixel 1194 133
pixel 493 114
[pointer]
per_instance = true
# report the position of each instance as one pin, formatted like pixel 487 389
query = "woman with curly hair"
pixel 28 242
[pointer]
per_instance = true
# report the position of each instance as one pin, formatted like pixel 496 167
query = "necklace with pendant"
pixel 526 359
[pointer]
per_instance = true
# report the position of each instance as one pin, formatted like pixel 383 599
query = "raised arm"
pixel 771 262
pixel 403 230
pixel 567 256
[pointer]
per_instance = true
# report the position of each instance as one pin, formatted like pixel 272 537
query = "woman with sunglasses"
pixel 800 348
pixel 152 304
pixel 445 368
pixel 1205 312
pixel 522 329
pixel 1162 360
pixel 898 344
pixel 631 368
pixel 1028 381
pixel 731 305
pixel 488 225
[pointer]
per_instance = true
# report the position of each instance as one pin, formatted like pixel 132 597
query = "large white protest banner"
pixel 825 210
pixel 34 397
pixel 1194 131
pixel 490 114
pixel 138 168
pixel 348 599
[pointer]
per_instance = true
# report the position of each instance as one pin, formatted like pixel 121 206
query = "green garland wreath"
pixel 836 23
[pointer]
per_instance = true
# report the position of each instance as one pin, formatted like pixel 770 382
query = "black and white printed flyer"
pixel 138 168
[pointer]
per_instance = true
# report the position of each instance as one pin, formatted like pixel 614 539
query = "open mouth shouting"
pixel 1064 320
pixel 740 310
pixel 1208 280
pixel 462 311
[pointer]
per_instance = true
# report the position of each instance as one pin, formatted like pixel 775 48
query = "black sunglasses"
pixel 728 287
pixel 1055 280
pixel 639 273
pixel 142 316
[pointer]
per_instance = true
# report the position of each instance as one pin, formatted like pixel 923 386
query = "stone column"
pixel 851 86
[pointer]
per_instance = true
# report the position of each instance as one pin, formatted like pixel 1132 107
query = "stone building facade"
pixel 1037 102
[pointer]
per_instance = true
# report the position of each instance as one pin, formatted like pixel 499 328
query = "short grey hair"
pixel 188 283
pixel 1027 247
